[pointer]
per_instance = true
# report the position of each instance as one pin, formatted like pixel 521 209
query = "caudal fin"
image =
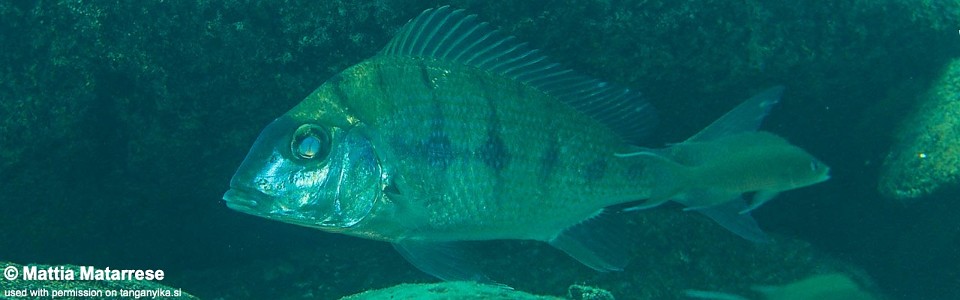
pixel 668 177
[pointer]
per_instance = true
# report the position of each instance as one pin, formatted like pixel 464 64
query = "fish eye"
pixel 310 141
pixel 814 165
pixel 309 147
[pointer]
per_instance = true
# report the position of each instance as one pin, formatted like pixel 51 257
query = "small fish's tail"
pixel 668 176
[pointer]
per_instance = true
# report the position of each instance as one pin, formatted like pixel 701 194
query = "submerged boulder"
pixel 926 155
pixel 447 290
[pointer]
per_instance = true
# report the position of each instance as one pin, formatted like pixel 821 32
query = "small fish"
pixel 455 132
pixel 710 171
pixel 833 286
pixel 705 174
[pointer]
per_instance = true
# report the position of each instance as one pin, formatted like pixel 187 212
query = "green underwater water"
pixel 121 124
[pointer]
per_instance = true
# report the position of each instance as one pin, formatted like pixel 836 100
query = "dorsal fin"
pixel 746 117
pixel 452 35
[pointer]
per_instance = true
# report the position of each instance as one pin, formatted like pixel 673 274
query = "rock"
pixel 583 292
pixel 447 290
pixel 926 157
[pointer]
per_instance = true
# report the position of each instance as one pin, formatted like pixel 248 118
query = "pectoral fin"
pixel 444 260
pixel 597 242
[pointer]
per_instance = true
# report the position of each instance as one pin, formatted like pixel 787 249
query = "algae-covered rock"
pixel 927 156
pixel 447 290
pixel 65 282
pixel 583 292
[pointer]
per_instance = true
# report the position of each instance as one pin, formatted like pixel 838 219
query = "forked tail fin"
pixel 668 176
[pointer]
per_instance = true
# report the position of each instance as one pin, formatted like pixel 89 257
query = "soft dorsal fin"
pixel 452 35
pixel 746 117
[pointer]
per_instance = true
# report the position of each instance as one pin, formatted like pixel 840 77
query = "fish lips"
pixel 259 204
pixel 244 201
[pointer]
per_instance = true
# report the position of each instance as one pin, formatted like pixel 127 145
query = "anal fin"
pixel 597 242
pixel 728 215
pixel 759 198
pixel 650 203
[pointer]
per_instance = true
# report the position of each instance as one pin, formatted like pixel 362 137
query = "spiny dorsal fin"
pixel 452 35
pixel 746 117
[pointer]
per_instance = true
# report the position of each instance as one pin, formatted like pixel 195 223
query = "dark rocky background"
pixel 121 123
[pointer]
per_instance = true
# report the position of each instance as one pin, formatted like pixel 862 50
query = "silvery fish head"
pixel 308 174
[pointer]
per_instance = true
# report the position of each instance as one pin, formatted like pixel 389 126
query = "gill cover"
pixel 309 175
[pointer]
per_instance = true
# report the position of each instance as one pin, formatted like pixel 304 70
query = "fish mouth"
pixel 256 203
pixel 245 201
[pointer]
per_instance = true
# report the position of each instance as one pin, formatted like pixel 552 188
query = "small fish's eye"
pixel 309 142
pixel 814 165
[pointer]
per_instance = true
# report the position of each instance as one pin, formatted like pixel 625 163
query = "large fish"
pixel 456 132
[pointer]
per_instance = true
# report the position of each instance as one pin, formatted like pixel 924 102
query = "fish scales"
pixel 456 132
pixel 469 194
